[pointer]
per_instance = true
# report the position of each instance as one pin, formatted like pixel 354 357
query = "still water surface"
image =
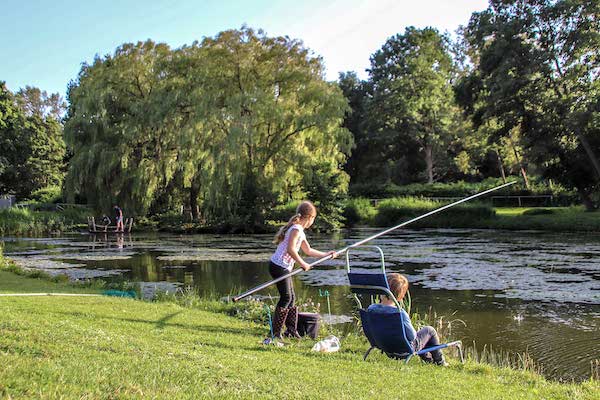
pixel 515 291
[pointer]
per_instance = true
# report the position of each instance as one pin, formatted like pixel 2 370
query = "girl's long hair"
pixel 303 210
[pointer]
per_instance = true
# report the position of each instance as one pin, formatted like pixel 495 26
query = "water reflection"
pixel 516 291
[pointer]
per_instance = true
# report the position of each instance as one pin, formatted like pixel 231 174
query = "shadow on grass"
pixel 160 324
pixel 163 322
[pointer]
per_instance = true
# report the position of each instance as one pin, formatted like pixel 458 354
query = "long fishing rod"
pixel 361 242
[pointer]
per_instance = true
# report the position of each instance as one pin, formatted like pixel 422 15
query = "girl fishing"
pixel 290 239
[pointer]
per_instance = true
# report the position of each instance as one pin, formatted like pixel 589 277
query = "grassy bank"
pixel 14 279
pixel 551 219
pixel 18 221
pixel 104 347
pixel 556 219
pixel 357 211
pixel 388 212
pixel 473 215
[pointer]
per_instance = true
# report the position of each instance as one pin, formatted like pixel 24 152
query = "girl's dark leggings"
pixel 287 297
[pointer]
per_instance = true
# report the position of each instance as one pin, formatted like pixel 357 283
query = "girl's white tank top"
pixel 281 257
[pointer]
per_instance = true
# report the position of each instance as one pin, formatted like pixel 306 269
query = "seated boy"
pixel 425 337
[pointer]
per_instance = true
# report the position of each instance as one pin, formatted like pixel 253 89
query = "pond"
pixel 514 291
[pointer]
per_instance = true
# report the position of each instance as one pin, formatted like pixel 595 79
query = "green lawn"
pixel 511 211
pixel 556 219
pixel 551 219
pixel 103 347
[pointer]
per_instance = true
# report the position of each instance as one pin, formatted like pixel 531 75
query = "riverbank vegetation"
pixel 354 212
pixel 475 215
pixel 24 221
pixel 111 347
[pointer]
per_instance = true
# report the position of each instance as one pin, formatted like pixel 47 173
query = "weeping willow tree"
pixel 122 137
pixel 274 118
pixel 232 124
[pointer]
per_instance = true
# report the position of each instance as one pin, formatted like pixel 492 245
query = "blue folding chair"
pixel 385 331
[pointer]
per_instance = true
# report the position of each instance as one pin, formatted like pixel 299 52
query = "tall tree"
pixel 276 117
pixel 537 71
pixel 123 149
pixel 412 80
pixel 356 92
pixel 32 149
pixel 233 122
pixel 39 103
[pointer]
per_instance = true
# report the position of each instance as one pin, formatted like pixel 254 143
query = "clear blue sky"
pixel 43 43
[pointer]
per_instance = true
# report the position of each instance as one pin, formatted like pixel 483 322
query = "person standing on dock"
pixel 119 219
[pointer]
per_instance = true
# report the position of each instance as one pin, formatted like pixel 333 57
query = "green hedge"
pixel 283 212
pixel 396 210
pixel 461 189
pixel 49 194
pixel 359 211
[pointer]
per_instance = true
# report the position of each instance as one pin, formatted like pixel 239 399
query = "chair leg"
pixel 460 353
pixel 367 353
pixel 408 358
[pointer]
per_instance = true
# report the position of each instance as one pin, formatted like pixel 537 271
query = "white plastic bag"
pixel 328 345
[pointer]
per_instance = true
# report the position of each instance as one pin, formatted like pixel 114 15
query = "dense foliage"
pixel 536 73
pixel 404 115
pixel 32 149
pixel 234 124
pixel 526 101
pixel 537 187
pixel 234 127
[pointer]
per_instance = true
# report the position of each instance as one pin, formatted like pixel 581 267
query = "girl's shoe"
pixel 442 363
pixel 272 341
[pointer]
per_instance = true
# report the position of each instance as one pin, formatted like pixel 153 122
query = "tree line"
pixel 516 92
pixel 32 149
pixel 239 123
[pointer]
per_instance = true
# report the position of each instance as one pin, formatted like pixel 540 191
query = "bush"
pixel 282 213
pixel 19 221
pixel 170 218
pixel 49 194
pixel 396 210
pixel 359 210
pixel 327 187
pixel 538 211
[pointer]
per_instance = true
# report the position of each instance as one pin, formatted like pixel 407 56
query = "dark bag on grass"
pixel 308 324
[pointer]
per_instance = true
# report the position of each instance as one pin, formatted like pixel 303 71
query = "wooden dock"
pixel 98 228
